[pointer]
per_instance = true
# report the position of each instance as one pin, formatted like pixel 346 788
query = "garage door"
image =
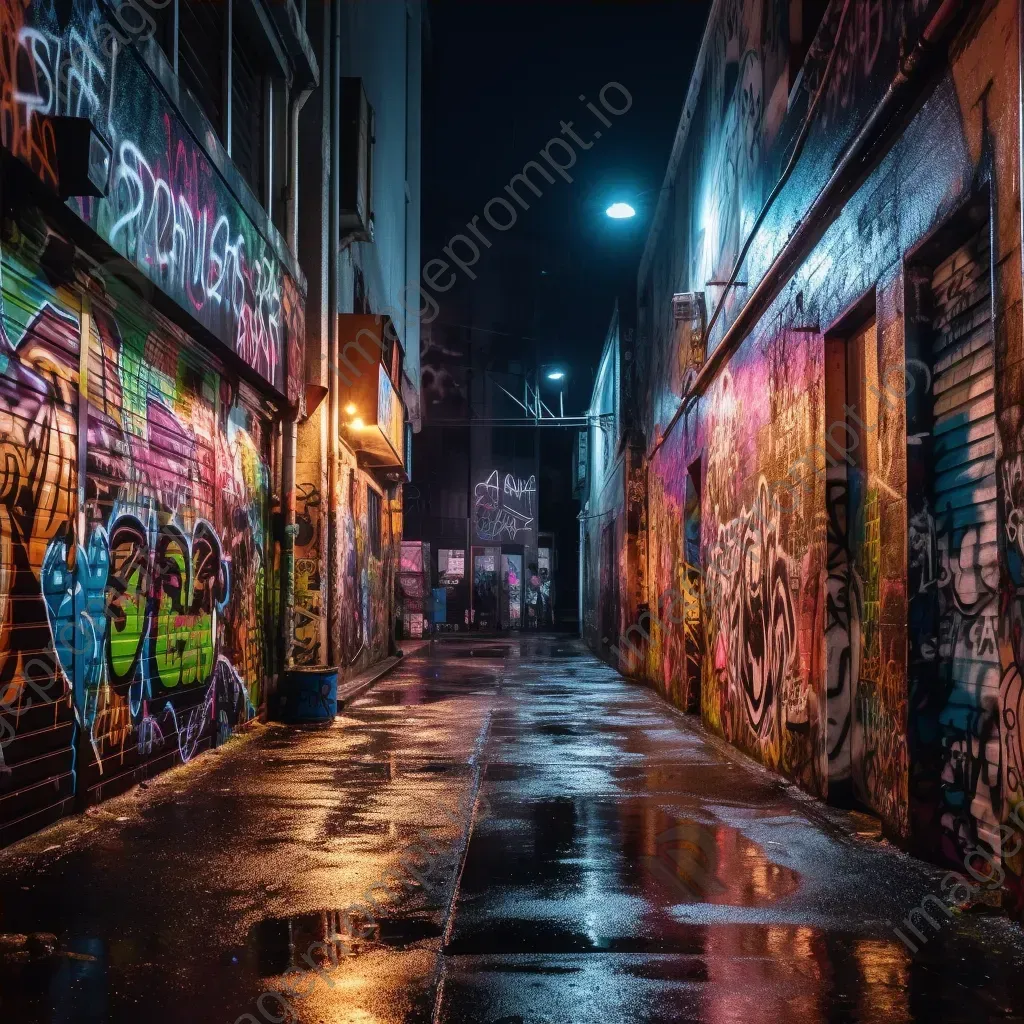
pixel 171 573
pixel 39 346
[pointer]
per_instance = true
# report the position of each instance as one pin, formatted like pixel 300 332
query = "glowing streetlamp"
pixel 620 211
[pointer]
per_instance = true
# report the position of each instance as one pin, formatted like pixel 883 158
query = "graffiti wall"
pixel 505 508
pixel 170 209
pixel 831 522
pixel 137 568
pixel 369 570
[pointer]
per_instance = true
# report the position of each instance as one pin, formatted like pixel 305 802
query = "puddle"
pixel 693 862
pixel 484 651
pixel 312 941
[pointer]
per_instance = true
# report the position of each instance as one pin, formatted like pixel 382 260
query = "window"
pixel 227 64
pixel 451 563
pixel 163 21
pixel 202 38
pixel 247 115
pixel 373 525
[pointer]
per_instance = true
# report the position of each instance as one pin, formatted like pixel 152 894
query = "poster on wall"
pixel 451 563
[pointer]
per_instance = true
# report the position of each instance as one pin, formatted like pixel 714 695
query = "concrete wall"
pixel 851 635
pixel 382 44
pixel 344 589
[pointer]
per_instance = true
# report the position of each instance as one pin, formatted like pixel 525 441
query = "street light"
pixel 556 375
pixel 620 211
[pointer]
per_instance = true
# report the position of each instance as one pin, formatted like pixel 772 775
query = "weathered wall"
pixel 134 600
pixel 176 209
pixel 851 634
pixel 365 597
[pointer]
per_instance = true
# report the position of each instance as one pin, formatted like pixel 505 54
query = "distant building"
pixel 475 498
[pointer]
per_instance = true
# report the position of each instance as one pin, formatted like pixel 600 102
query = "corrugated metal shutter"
pixel 177 506
pixel 151 532
pixel 964 391
pixel 244 473
pixel 964 496
pixel 39 344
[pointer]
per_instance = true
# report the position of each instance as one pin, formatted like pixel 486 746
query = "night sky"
pixel 498 80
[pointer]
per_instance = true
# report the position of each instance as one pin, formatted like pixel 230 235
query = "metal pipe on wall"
pixel 289 425
pixel 332 80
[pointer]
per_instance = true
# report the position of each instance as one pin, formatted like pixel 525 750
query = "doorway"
pixel 954 666
pixel 511 590
pixel 484 612
pixel 852 642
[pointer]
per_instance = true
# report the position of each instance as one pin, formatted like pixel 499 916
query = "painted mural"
pixel 368 577
pixel 169 210
pixel 851 540
pixel 137 572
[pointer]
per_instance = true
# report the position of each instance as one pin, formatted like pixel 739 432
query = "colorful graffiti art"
pixel 154 591
pixel 306 649
pixel 168 210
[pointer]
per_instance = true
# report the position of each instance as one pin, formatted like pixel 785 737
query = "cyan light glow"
pixel 620 211
pixel 556 375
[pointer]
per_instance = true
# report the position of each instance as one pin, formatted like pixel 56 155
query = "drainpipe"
pixel 333 82
pixel 289 427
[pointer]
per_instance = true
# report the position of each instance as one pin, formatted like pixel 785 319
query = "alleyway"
pixel 517 835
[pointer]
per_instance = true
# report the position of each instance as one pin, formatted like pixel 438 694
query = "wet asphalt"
pixel 500 831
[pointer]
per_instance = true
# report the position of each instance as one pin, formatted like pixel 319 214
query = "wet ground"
pixel 498 832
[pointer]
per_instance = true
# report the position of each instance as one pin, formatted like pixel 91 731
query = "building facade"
pixel 352 450
pixel 159 304
pixel 829 408
pixel 476 496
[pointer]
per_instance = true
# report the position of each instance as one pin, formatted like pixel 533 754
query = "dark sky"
pixel 499 79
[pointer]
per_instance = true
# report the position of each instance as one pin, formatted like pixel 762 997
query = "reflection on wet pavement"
pixel 498 832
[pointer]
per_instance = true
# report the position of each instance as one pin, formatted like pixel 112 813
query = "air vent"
pixel 357 138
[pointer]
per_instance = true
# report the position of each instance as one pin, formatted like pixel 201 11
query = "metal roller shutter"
pixel 40 328
pixel 176 530
pixel 964 503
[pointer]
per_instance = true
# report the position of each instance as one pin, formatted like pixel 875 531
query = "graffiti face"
pixel 154 648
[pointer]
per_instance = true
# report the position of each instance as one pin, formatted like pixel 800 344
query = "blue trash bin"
pixel 308 695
